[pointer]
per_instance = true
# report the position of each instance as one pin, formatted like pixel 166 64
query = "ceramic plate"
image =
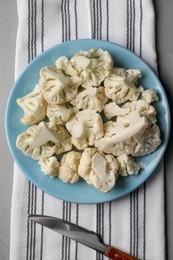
pixel 81 192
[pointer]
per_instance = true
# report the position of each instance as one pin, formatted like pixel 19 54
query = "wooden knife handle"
pixel 116 254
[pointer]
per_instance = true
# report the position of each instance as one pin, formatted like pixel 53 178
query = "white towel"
pixel 134 223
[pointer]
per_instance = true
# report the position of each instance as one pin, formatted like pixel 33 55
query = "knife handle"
pixel 116 254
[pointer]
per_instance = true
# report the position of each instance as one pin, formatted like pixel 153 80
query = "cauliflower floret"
pixel 120 139
pixel 127 165
pixel 65 65
pixel 43 140
pixel 49 166
pixel 85 128
pixel 147 142
pixel 68 171
pixel 136 139
pixel 56 86
pixel 120 85
pixel 92 98
pixel 150 95
pixel 34 107
pixel 142 107
pixel 64 144
pixel 99 170
pixel 132 74
pixel 93 65
pixel 58 114
pixel 112 109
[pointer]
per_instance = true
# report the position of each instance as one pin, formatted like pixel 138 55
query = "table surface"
pixel 8 26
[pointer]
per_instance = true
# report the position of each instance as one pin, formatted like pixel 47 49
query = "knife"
pixel 81 235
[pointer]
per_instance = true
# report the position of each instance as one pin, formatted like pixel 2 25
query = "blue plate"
pixel 81 192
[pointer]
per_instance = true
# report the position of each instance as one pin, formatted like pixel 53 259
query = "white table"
pixel 8 29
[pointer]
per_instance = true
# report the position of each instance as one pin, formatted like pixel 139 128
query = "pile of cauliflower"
pixel 94 115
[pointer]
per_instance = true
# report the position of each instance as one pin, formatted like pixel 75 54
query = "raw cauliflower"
pixel 68 171
pixel 127 165
pixel 150 96
pixel 120 85
pixel 147 142
pixel 56 86
pixel 85 128
pixel 49 166
pixel 112 109
pixel 136 139
pixel 43 140
pixel 58 114
pixel 142 107
pixel 34 107
pixel 65 65
pixel 92 98
pixel 93 66
pixel 98 169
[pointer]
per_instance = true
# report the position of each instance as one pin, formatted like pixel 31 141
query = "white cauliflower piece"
pixel 136 139
pixel 142 107
pixel 93 66
pixel 150 95
pixel 64 144
pixel 147 142
pixel 58 114
pixel 85 128
pixel 92 98
pixel 56 86
pixel 68 171
pixel 127 165
pixel 43 140
pixel 49 166
pixel 99 170
pixel 112 109
pixel 121 139
pixel 132 74
pixel 120 85
pixel 34 107
pixel 65 65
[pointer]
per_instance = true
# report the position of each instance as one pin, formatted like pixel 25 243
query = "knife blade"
pixel 81 235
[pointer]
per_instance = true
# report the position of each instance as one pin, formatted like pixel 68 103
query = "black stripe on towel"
pixel 144 222
pixel 77 222
pixel 28 222
pixel 76 19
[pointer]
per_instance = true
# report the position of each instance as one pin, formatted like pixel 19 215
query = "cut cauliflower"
pixel 137 139
pixel 142 107
pixel 150 95
pixel 99 170
pixel 65 65
pixel 93 66
pixel 75 93
pixel 127 165
pixel 85 128
pixel 34 107
pixel 92 98
pixel 112 109
pixel 56 86
pixel 120 85
pixel 49 166
pixel 68 171
pixel 58 114
pixel 147 142
pixel 43 140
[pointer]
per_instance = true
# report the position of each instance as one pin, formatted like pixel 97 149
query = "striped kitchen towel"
pixel 134 223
